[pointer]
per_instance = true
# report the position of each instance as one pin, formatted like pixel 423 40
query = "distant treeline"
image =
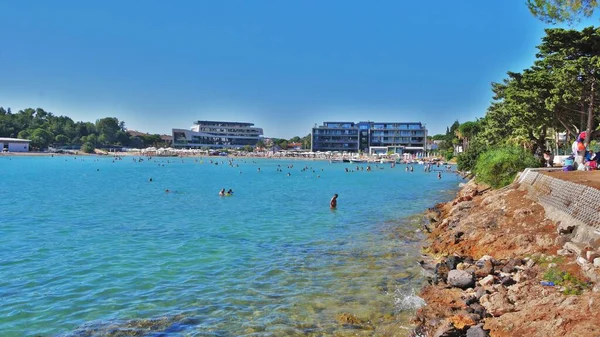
pixel 44 129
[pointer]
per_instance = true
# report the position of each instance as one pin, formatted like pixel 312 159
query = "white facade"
pixel 14 145
pixel 217 134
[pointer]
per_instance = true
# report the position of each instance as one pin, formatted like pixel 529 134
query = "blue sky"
pixel 283 65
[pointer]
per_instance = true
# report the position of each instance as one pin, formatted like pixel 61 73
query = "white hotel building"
pixel 216 134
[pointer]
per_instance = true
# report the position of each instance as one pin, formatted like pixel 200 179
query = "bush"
pixel 87 148
pixel 498 167
pixel 467 160
pixel 449 154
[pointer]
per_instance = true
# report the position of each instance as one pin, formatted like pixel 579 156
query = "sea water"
pixel 93 246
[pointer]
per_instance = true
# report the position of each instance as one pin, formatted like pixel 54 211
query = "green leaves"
pixel 555 11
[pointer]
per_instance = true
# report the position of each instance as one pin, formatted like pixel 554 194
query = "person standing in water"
pixel 333 202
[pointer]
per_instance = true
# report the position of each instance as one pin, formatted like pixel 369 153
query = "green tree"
pixel 555 11
pixel 61 139
pixel 40 138
pixel 88 148
pixel 307 142
pixel 107 129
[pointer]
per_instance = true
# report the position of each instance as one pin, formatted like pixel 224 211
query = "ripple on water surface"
pixel 91 247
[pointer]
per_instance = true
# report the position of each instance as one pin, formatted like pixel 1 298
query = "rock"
pixel 561 240
pixel 591 255
pixel 453 261
pixel 597 262
pixel 461 321
pixel 485 258
pixel 574 248
pixel 507 281
pixel 480 292
pixel 460 279
pixel 530 264
pixel 349 319
pixel 520 276
pixel 446 330
pixel 441 273
pixel 486 281
pixel 485 268
pixel 458 236
pixel 471 299
pixel 476 331
pixel 563 252
pixel 497 304
pixel 477 309
pixel 582 261
pixel 511 265
pixel 565 228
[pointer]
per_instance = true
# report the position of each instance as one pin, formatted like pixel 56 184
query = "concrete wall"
pixel 567 202
pixel 18 147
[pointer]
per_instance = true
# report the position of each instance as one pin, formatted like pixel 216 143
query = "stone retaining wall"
pixel 579 204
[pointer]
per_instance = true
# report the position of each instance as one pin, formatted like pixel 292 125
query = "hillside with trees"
pixel 45 129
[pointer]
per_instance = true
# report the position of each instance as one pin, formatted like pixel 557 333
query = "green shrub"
pixel 448 155
pixel 498 167
pixel 87 148
pixel 572 285
pixel 466 161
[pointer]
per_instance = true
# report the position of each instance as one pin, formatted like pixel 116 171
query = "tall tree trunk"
pixel 590 119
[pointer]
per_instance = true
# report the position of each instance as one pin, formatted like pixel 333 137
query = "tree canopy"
pixel 45 129
pixel 556 11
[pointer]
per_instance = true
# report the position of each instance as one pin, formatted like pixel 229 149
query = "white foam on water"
pixel 407 300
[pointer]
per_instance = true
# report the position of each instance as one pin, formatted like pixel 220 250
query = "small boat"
pixel 357 161
pixel 335 161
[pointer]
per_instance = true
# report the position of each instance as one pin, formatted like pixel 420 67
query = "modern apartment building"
pixel 335 136
pixel 398 137
pixel 216 134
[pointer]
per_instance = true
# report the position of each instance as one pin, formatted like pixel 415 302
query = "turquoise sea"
pixel 91 247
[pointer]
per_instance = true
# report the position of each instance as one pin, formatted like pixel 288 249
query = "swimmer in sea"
pixel 333 202
pixel 230 192
pixel 222 192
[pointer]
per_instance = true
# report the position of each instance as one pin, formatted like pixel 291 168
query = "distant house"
pixel 14 145
pixel 165 138
pixel 294 146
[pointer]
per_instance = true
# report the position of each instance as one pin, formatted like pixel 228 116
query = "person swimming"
pixel 222 192
pixel 333 202
pixel 230 192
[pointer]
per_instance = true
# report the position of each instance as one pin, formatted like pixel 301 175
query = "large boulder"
pixel 461 279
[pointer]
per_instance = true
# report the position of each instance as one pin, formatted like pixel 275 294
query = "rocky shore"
pixel 497 266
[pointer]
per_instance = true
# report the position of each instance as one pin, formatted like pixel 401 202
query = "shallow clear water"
pixel 90 246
